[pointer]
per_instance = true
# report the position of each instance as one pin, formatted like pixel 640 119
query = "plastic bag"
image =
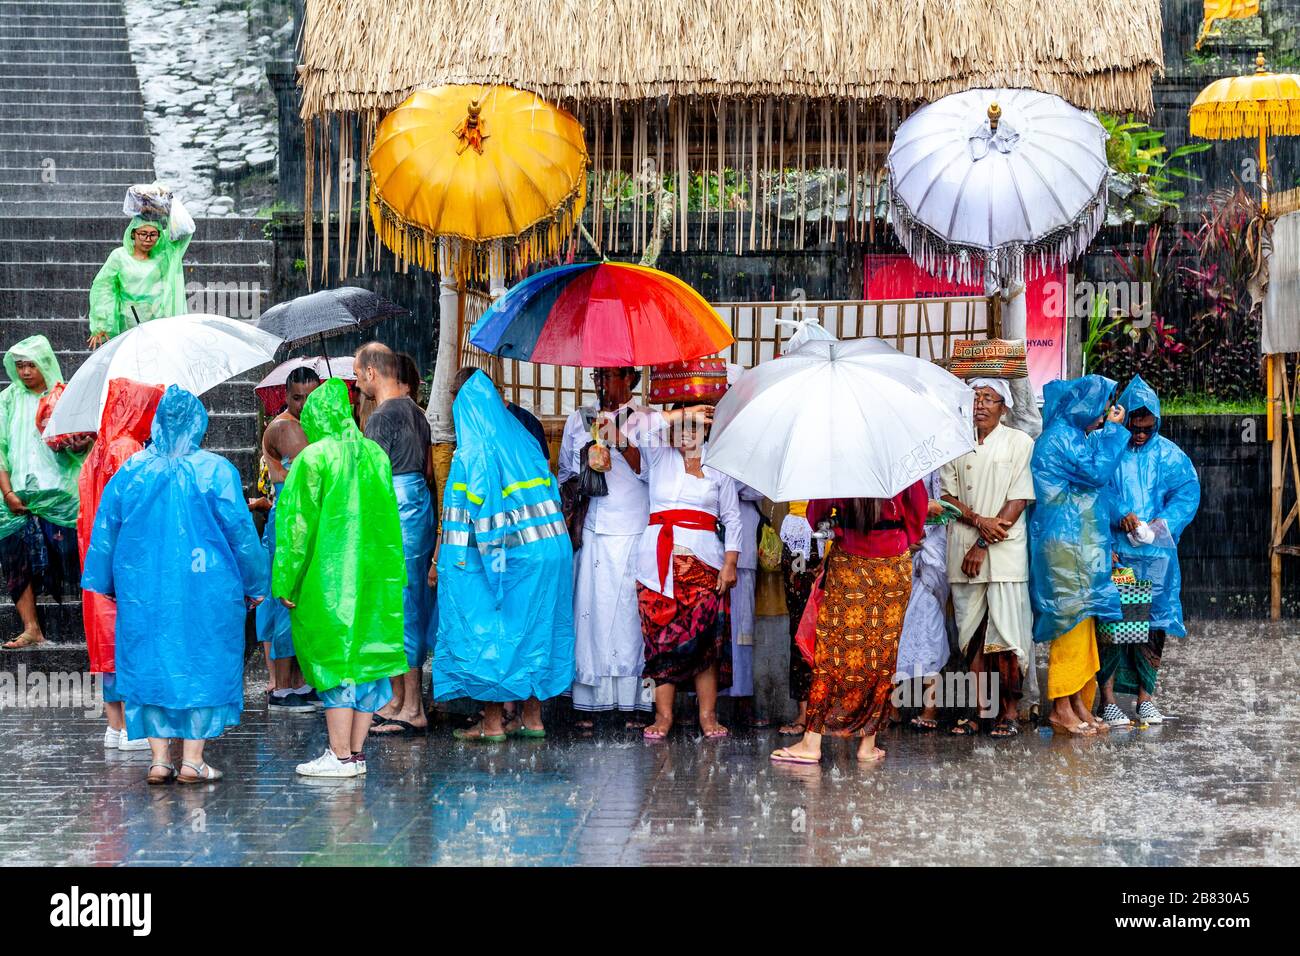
pixel 44 409
pixel 152 202
pixel 769 549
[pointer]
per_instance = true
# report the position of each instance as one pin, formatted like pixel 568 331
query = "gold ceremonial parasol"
pixel 1239 107
pixel 476 165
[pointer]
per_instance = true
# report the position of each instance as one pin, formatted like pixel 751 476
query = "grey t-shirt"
pixel 399 427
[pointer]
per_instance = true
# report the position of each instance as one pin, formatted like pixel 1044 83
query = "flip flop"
pixel 924 725
pixel 528 732
pixel 794 733
pixel 965 728
pixel 717 734
pixel 478 738
pixel 21 641
pixel 785 756
pixel 651 734
pixel 404 729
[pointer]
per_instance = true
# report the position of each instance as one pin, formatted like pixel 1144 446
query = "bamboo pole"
pixel 1275 556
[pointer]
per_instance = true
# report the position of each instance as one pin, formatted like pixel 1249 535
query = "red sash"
pixel 677 518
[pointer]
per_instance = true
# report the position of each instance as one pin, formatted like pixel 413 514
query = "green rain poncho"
pixel 338 550
pixel 127 288
pixel 45 480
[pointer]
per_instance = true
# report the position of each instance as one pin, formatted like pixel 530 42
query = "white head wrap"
pixel 999 385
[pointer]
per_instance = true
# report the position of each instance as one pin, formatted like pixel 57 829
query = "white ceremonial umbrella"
pixel 196 352
pixel 834 419
pixel 997 185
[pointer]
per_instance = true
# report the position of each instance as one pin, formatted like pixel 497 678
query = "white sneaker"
pixel 327 765
pixel 1114 716
pixel 359 761
pixel 125 743
pixel 111 738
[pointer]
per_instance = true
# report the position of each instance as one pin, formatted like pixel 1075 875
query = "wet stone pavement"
pixel 1217 786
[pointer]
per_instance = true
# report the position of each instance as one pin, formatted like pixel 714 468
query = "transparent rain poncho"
pixel 338 549
pixel 505 565
pixel 45 480
pixel 1069 528
pixel 1156 482
pixel 127 291
pixel 174 544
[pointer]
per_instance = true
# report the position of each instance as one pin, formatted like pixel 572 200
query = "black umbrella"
pixel 328 312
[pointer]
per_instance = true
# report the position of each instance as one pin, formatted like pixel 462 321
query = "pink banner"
pixel 898 277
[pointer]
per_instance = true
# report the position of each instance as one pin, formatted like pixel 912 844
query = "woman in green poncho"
pixel 38 536
pixel 142 279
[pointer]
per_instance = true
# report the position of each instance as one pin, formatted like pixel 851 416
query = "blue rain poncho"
pixel 174 542
pixel 1155 482
pixel 1069 528
pixel 505 565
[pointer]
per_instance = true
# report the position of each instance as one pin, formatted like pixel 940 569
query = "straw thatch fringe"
pixel 1008 265
pixel 371 54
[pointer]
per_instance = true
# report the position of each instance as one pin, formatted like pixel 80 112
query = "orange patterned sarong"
pixel 858 626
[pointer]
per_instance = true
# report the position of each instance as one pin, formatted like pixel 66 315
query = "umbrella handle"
pixel 329 372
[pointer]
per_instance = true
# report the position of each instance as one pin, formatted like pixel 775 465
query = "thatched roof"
pixel 362 55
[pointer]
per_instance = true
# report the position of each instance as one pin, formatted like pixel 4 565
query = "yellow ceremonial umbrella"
pixel 476 165
pixel 1238 107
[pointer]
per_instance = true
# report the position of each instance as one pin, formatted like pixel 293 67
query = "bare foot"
pixel 659 729
pixel 801 749
pixel 870 754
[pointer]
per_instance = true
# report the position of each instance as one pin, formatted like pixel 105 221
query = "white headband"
pixel 999 385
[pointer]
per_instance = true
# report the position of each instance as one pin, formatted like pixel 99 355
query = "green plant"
pixel 299 265
pixel 1136 150
pixel 1100 324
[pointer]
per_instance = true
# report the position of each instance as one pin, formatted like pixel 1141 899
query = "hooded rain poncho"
pixel 338 549
pixel 1155 482
pixel 45 480
pixel 1069 529
pixel 127 291
pixel 174 544
pixel 123 429
pixel 505 566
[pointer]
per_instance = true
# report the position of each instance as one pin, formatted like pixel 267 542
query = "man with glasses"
pixel 1154 495
pixel 988 557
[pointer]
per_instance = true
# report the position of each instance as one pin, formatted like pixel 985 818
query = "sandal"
pixel 1004 728
pixel 23 640
pixel 475 735
pixel 527 732
pixel 785 756
pixel 797 729
pixel 924 724
pixel 168 777
pixel 651 734
pixel 966 728
pixel 404 729
pixel 202 773
pixel 1081 729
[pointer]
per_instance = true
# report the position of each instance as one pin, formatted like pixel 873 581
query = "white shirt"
pixel 984 480
pixel 625 510
pixel 672 487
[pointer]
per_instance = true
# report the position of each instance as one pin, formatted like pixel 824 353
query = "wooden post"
pixel 1277 369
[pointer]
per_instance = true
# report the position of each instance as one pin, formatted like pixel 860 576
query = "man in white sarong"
pixel 609 652
pixel 988 556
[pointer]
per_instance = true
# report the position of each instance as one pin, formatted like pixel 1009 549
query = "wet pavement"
pixel 1217 786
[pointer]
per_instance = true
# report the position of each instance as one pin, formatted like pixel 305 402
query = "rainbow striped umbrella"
pixel 601 315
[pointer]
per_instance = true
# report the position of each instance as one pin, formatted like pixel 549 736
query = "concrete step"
pixel 245 254
pixel 49 142
pixel 135 158
pixel 93 39
pixel 101 47
pixel 69 110
pixel 37 67
pixel 61 56
pixel 19 130
pixel 60 86
pixel 63 190
pixel 218 290
pixel 65 637
pixel 56 209
pixel 92 28
pixel 14 226
pixel 33 175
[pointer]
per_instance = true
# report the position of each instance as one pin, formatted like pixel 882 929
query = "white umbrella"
pixel 994 183
pixel 196 352
pixel 840 420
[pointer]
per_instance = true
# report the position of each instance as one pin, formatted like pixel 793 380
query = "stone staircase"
pixel 72 139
